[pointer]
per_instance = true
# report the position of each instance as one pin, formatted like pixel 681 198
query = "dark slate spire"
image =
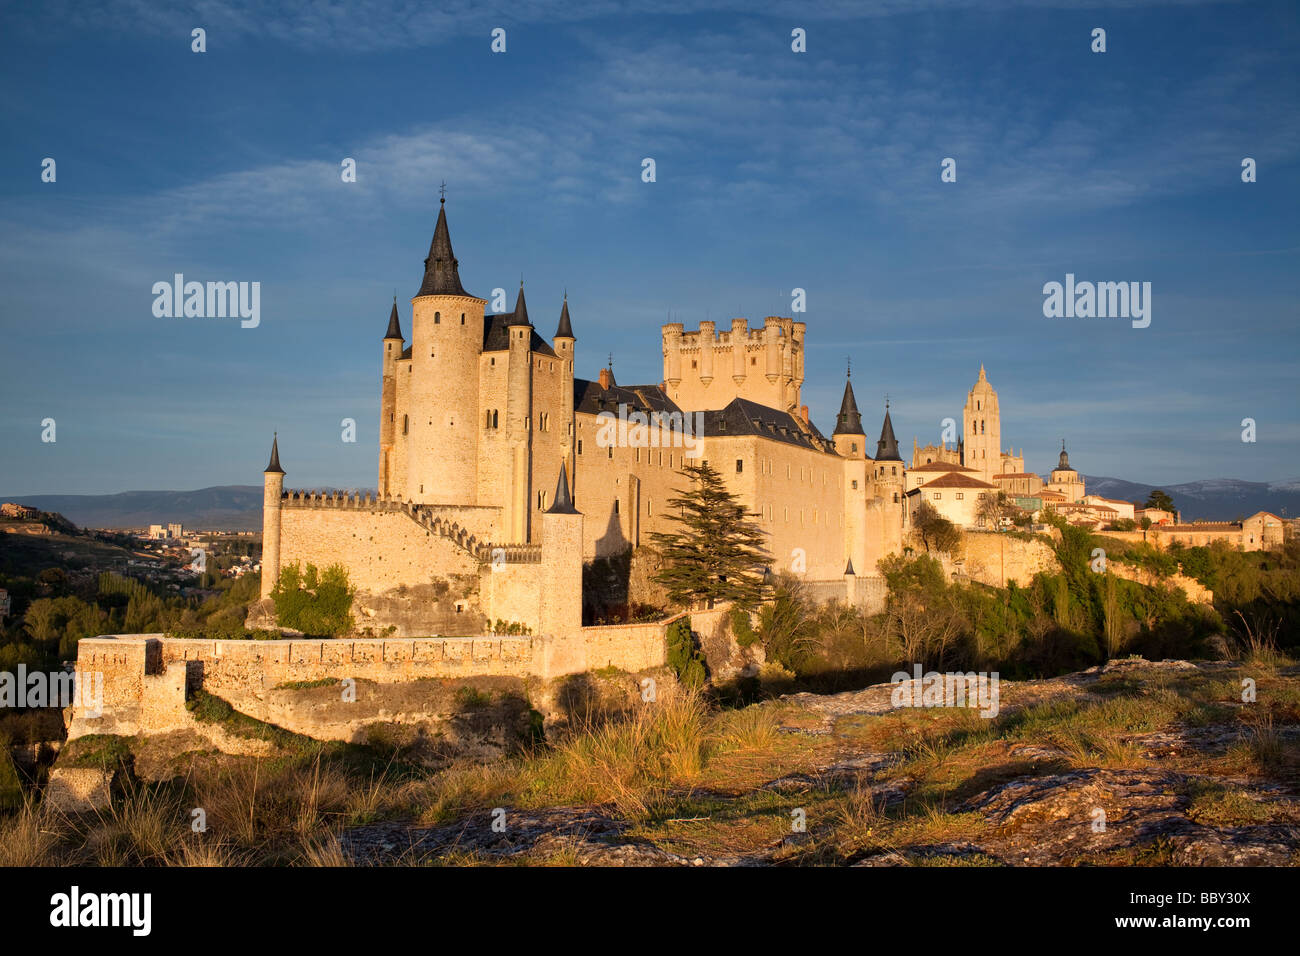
pixel 441 270
pixel 887 447
pixel 849 420
pixel 521 308
pixel 274 465
pixel 563 504
pixel 394 328
pixel 1064 463
pixel 849 570
pixel 565 330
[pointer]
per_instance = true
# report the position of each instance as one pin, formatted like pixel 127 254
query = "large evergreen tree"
pixel 717 554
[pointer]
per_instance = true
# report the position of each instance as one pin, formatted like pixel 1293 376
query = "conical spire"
pixel 849 420
pixel 521 308
pixel 849 570
pixel 273 467
pixel 563 504
pixel 887 447
pixel 565 331
pixel 441 270
pixel 394 327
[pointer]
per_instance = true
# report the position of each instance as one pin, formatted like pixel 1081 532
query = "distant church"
pixel 489 445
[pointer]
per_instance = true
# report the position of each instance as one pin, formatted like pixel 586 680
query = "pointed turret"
pixel 849 420
pixel 441 270
pixel 887 447
pixel 565 330
pixel 563 504
pixel 521 309
pixel 848 571
pixel 394 327
pixel 273 467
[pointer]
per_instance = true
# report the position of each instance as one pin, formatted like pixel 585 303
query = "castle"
pixel 500 473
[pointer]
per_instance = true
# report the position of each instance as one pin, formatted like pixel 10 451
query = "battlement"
pixel 707 368
pixel 434 518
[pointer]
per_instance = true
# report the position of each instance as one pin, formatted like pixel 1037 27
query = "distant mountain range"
pixel 1217 499
pixel 223 508
pixel 239 507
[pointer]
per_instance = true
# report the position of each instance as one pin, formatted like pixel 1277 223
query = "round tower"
pixel 392 351
pixel 446 341
pixel 519 419
pixel 272 489
pixel 563 343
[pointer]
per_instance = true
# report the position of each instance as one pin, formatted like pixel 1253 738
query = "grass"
pixel 691 778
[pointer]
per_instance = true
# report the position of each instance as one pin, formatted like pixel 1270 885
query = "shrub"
pixel 683 656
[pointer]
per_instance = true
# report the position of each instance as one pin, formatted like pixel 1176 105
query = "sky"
pixel 775 170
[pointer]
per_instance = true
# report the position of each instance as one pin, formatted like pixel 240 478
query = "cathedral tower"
pixel 982 430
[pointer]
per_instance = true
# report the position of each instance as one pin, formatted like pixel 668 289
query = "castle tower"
pixel 851 443
pixel 388 400
pixel 519 415
pixel 706 369
pixel 272 488
pixel 563 343
pixel 885 510
pixel 446 341
pixel 982 430
pixel 561 607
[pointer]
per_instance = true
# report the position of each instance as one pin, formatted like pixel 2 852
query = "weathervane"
pixel 442 191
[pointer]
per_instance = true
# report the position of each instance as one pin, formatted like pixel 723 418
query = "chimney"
pixel 606 379
pixel 803 413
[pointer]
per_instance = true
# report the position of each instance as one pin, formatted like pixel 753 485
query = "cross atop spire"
pixel 442 192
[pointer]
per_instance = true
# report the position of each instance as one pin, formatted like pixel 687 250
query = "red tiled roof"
pixel 954 480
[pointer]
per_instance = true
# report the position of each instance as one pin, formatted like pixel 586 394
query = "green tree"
pixel 937 532
pixel 317 603
pixel 718 552
pixel 1158 499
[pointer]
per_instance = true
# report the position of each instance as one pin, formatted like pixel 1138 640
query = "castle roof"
pixel 496 338
pixel 887 447
pixel 591 398
pixel 565 329
pixel 563 504
pixel 273 466
pixel 743 417
pixel 520 315
pixel 394 327
pixel 849 420
pixel 441 270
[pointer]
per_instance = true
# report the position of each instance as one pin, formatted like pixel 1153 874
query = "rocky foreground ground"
pixel 1135 762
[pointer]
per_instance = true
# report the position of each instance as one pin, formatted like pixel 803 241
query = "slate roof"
pixel 441 270
pixel 496 335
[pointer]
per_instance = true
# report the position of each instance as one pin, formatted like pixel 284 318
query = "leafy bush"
pixel 683 656
pixel 318 604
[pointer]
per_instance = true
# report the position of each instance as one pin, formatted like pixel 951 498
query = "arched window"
pixel 494 418
pixel 406 424
pixel 462 318
pixel 437 318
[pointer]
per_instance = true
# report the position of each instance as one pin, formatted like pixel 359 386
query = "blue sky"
pixel 775 170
